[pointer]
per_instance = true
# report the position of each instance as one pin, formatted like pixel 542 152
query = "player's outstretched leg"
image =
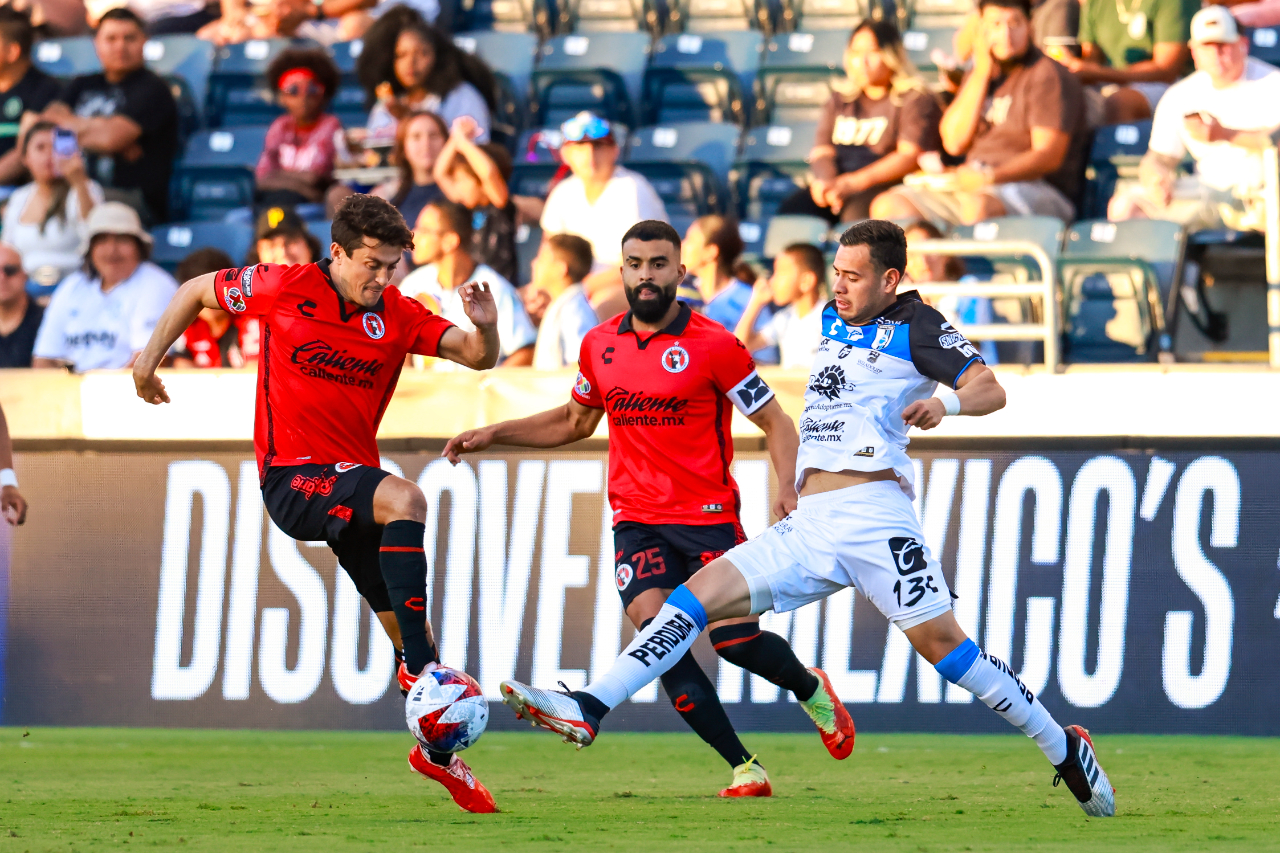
pixel 994 682
pixel 769 656
pixel 457 778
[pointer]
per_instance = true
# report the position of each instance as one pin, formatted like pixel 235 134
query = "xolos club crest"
pixel 373 325
pixel 675 359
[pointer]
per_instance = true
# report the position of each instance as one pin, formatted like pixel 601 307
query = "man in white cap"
pixel 1223 115
pixel 101 316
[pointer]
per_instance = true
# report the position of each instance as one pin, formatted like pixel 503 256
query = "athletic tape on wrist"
pixel 950 400
pixel 8 478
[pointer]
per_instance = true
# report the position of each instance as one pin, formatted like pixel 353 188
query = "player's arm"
pixel 784 445
pixel 978 390
pixel 477 350
pixel 12 505
pixel 564 425
pixel 197 293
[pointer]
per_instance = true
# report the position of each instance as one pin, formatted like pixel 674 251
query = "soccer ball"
pixel 446 710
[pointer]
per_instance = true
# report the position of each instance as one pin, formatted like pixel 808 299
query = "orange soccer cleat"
pixel 458 780
pixel 829 715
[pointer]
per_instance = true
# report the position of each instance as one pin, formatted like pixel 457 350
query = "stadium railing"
pixel 1045 290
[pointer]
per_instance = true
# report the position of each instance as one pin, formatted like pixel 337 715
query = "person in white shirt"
pixel 562 262
pixel 599 201
pixel 442 246
pixel 1223 115
pixel 799 282
pixel 102 316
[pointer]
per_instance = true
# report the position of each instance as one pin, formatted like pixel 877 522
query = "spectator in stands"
pixel 872 136
pixel 1130 53
pixel 407 65
pixel 598 201
pixel 1223 115
pixel 799 285
pixel 125 118
pixel 710 253
pixel 419 141
pixel 476 177
pixel 45 219
pixel 961 310
pixel 1260 13
pixel 163 17
pixel 562 262
pixel 1055 27
pixel 1019 122
pixel 24 91
pixel 442 244
pixel 20 315
pixel 281 237
pixel 102 316
pixel 327 22
pixel 297 160
pixel 215 338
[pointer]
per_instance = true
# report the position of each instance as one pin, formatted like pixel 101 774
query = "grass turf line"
pixel 90 789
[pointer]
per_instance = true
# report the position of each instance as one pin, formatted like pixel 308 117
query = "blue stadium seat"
pixel 794 228
pixel 175 241
pixel 714 145
pixel 238 92
pixel 688 188
pixel 66 57
pixel 1045 231
pixel 605 16
pixel 532 179
pixel 510 54
pixel 348 102
pixel 1115 153
pixel 345 55
pixel 528 239
pixel 507 16
pixel 772 166
pixel 923 39
pixel 601 72
pixel 840 15
pixel 796 75
pixel 718 16
pixel 215 174
pixel 322 229
pixel 693 77
pixel 1264 44
pixel 182 58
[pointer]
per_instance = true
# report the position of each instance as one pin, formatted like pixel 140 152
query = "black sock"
pixel 694 697
pixel 404 570
pixel 765 654
pixel 440 759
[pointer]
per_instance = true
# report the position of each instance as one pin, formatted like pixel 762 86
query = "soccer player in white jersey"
pixel 882 356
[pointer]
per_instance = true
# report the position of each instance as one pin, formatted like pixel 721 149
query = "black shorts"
pixel 663 556
pixel 321 502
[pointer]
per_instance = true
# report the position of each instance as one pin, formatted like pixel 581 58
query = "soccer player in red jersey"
pixel 668 380
pixel 334 338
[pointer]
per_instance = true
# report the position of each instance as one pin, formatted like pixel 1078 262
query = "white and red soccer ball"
pixel 446 710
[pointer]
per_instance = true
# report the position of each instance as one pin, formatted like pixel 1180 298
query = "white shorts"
pixel 867 537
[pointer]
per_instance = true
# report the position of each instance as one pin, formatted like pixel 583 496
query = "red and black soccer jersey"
pixel 236 347
pixel 327 367
pixel 668 396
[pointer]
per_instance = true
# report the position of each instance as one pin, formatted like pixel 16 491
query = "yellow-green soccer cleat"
pixel 749 780
pixel 829 715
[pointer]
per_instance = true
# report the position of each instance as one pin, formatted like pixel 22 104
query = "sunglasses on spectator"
pixel 585 127
pixel 10 270
pixel 295 89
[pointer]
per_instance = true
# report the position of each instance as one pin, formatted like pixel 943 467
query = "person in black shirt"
pixel 475 176
pixel 24 90
pixel 20 316
pixel 125 117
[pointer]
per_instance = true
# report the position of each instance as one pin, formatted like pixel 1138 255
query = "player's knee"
pixel 401 500
pixel 733 642
pixel 684 694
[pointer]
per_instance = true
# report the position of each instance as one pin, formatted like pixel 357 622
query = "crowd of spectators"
pixel 1003 131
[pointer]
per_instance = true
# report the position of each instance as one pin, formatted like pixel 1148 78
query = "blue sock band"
pixel 687 602
pixel 955 665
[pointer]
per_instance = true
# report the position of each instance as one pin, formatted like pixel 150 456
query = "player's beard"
pixel 650 310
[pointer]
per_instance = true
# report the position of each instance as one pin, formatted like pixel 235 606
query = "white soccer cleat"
pixel 559 712
pixel 1084 775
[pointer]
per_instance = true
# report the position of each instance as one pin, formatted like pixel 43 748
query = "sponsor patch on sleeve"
pixel 582 386
pixel 750 394
pixel 234 300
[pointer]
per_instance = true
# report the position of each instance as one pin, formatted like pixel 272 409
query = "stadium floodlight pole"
pixel 1271 204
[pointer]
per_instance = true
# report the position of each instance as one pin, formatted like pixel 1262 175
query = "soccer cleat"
pixel 1084 775
pixel 458 780
pixel 553 710
pixel 829 715
pixel 749 780
pixel 407 679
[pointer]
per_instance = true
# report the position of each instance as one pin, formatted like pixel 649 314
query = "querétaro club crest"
pixel 829 382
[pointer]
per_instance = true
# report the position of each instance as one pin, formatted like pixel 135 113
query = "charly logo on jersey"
pixel 829 382
pixel 908 555
pixel 246 281
pixel 834 327
pixel 622 576
pixel 373 325
pixel 582 386
pixel 234 300
pixel 675 359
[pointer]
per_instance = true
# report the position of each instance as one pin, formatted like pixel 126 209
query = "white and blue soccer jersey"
pixel 863 378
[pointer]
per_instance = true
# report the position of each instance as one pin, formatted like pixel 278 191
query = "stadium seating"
pixel 839 15
pixel 600 72
pixel 175 241
pixel 66 57
pixel 796 74
pixel 532 179
pixel 215 174
pixel 772 166
pixel 923 39
pixel 509 54
pixel 1115 154
pixel 322 229
pixel 1113 274
pixel 238 93
pixel 791 228
pixel 185 63
pixel 717 16
pixel 1045 231
pixel 528 239
pixel 712 144
pixel 1264 44
pixel 693 77
pixel 605 16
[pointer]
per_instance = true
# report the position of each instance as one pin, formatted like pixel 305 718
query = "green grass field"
pixel 91 789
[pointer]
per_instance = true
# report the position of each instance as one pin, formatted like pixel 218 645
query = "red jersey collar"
pixel 381 307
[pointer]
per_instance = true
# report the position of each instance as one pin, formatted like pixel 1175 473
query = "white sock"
pixel 653 651
pixel 998 686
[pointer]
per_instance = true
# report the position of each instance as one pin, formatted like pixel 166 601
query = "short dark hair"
pixel 575 252
pixel 885 240
pixel 808 258
pixel 1023 5
pixel 203 261
pixel 360 215
pixel 649 230
pixel 722 232
pixel 15 28
pixel 121 13
pixel 885 31
pixel 457 220
pixel 314 59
